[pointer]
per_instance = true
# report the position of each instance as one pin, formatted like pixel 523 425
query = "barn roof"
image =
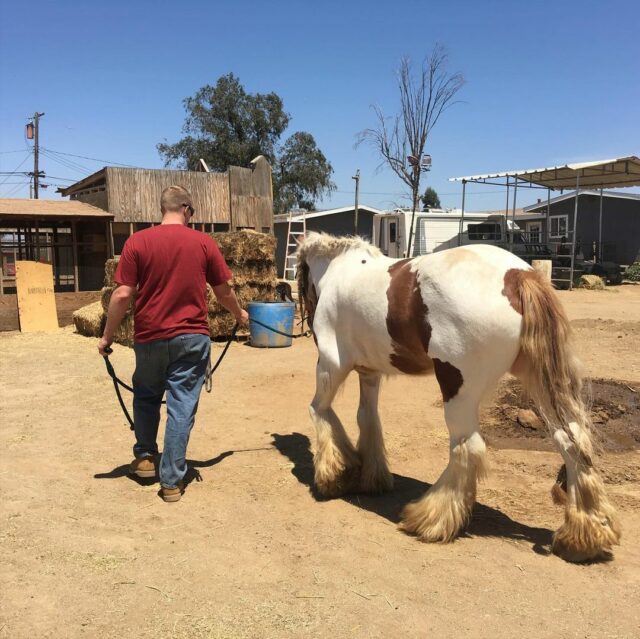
pixel 25 208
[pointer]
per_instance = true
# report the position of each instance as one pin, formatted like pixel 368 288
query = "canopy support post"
pixel 575 229
pixel 506 218
pixel 461 228
pixel 600 231
pixel 513 214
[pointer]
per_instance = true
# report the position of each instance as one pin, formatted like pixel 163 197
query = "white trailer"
pixel 436 230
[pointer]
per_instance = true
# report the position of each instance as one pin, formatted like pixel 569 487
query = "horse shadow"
pixel 485 522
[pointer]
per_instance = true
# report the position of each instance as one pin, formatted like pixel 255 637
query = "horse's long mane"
pixel 323 245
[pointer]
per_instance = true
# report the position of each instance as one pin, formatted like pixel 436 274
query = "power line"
pixel 15 189
pixel 84 157
pixel 17 167
pixel 65 163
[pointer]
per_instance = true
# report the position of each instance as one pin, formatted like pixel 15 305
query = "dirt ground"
pixel 250 552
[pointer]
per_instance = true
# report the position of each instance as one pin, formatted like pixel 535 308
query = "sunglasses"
pixel 191 210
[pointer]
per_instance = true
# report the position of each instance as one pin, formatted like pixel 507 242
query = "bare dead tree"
pixel 423 100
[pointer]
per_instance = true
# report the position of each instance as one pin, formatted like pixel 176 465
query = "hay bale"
pixel 110 270
pixel 124 332
pixel 90 320
pixel 254 274
pixel 244 294
pixel 592 282
pixel 105 298
pixel 239 247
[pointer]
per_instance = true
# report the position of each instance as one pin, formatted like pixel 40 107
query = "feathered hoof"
pixel 340 483
pixel 586 537
pixel 376 483
pixel 431 519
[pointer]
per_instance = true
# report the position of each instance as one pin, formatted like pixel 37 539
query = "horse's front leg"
pixel 375 476
pixel 336 462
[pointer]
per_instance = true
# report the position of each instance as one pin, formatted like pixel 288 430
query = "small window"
pixel 484 231
pixel 558 226
pixel 392 233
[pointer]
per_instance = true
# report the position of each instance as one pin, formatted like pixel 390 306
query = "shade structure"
pixel 597 174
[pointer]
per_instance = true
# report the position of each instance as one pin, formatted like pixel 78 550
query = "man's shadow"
pixel 193 473
pixel 485 521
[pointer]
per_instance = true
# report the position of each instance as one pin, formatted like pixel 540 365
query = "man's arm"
pixel 225 295
pixel 118 305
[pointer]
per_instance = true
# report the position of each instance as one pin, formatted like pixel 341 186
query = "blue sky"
pixel 547 82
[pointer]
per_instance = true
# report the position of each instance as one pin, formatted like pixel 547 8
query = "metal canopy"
pixel 601 174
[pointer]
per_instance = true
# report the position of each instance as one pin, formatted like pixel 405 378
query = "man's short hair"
pixel 173 198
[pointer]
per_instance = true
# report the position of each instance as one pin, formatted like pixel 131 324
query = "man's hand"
pixel 243 318
pixel 103 344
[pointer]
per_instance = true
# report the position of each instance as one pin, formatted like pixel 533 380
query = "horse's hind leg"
pixel 375 476
pixel 336 461
pixel 446 507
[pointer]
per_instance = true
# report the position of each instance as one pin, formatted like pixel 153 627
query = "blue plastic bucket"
pixel 279 315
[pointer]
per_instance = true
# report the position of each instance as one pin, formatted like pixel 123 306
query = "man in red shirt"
pixel 169 265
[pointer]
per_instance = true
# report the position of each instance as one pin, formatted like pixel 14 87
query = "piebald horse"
pixel 469 315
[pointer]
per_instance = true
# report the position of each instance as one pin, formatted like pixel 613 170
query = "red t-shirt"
pixel 170 265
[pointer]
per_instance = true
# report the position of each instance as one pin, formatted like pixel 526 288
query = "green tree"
pixel 225 126
pixel 430 199
pixel 302 173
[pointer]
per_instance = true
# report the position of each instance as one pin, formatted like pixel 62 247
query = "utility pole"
pixel 33 132
pixel 356 177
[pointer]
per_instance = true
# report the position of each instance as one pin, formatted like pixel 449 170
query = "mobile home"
pixel 436 230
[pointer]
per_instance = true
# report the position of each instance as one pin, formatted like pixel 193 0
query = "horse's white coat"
pixel 474 337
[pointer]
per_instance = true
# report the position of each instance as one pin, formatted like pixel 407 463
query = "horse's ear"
pixel 299 240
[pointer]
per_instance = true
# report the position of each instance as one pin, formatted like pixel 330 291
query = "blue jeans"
pixel 177 366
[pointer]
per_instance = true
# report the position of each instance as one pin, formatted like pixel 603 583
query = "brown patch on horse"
pixel 449 377
pixel 513 279
pixel 407 321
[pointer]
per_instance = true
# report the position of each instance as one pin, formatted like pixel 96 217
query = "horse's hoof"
pixel 345 482
pixel 586 537
pixel 376 485
pixel 432 521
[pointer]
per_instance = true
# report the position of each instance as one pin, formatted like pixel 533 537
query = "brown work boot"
pixel 144 467
pixel 172 494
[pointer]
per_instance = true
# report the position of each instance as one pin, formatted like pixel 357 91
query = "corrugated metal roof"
pixel 568 196
pixel 613 173
pixel 15 208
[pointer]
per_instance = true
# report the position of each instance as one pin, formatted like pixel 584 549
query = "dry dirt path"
pixel 249 551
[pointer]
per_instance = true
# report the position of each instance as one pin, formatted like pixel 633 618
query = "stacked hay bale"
pixel 251 258
pixel 90 320
pixel 124 332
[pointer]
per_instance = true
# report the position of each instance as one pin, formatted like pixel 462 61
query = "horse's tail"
pixel 547 363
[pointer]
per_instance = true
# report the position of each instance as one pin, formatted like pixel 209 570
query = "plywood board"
pixel 36 301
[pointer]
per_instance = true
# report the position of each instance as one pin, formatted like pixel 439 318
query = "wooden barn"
pixel 239 198
pixel 71 236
